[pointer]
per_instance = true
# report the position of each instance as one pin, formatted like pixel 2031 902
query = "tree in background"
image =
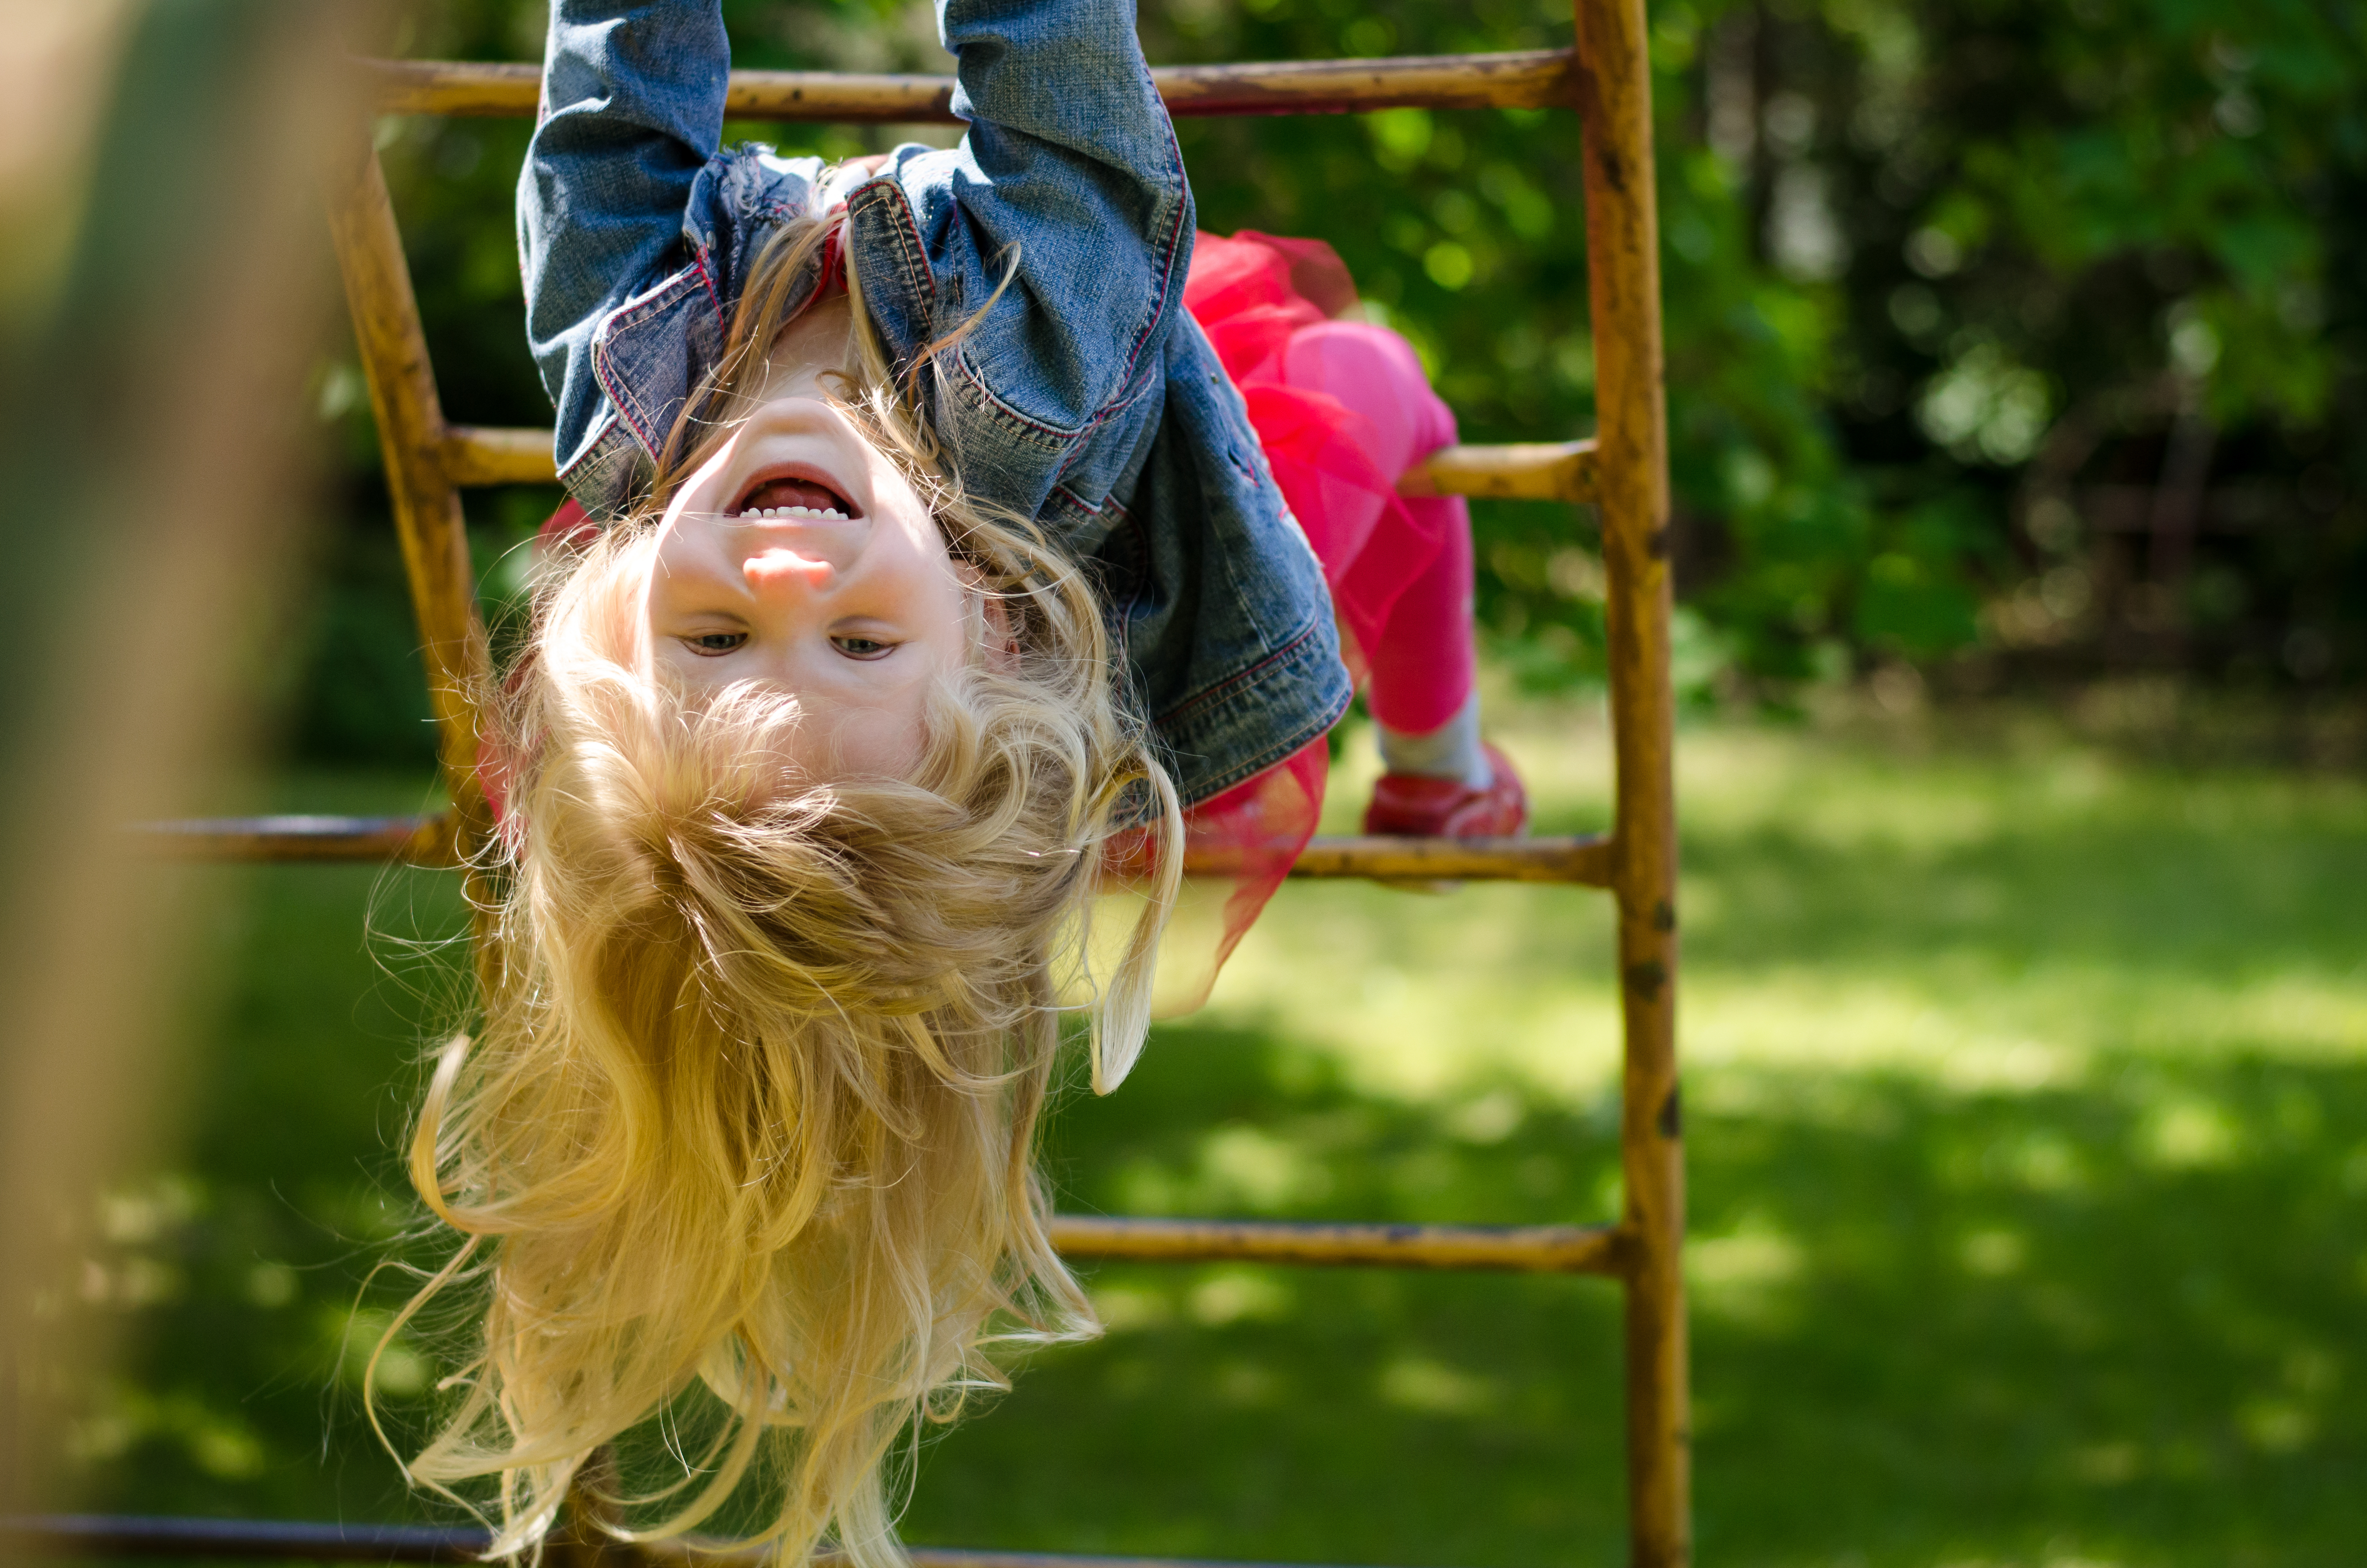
pixel 2004 337
pixel 2098 266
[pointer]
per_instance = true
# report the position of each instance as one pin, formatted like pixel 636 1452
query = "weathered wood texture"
pixel 1527 1249
pixel 1542 471
pixel 1541 78
pixel 411 435
pixel 1585 860
pixel 1632 488
pixel 483 454
pixel 418 840
pixel 435 841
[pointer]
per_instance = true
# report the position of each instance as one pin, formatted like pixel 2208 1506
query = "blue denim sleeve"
pixel 1070 184
pixel 632 110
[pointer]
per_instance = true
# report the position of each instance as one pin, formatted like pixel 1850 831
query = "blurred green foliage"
pixel 1947 283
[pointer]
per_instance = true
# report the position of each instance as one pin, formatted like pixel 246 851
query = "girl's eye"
pixel 714 642
pixel 863 647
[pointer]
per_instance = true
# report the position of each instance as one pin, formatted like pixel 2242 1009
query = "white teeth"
pixel 827 514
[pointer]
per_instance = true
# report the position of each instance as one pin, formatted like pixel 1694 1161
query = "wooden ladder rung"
pixel 424 840
pixel 1527 470
pixel 1540 471
pixel 484 454
pixel 432 840
pixel 691 1552
pixel 97 1535
pixel 1533 79
pixel 1524 1249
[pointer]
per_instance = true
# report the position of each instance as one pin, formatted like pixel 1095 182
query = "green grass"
pixel 2027 1125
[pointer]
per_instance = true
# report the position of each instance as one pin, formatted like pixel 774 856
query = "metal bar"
pixel 1527 1249
pixel 1632 483
pixel 86 1535
pixel 1544 470
pixel 411 434
pixel 433 840
pixel 1540 78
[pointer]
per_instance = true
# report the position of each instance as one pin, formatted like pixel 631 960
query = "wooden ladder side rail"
pixel 427 515
pixel 434 841
pixel 1632 490
pixel 89 1535
pixel 1540 78
pixel 473 455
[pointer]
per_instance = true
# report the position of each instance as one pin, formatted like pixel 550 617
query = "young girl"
pixel 926 560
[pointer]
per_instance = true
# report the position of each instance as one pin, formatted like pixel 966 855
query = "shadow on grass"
pixel 2113 1322
pixel 2142 898
pixel 1838 855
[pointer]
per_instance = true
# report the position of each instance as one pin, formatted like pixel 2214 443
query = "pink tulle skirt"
pixel 1342 410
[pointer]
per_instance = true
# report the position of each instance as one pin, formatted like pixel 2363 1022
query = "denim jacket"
pixel 1086 397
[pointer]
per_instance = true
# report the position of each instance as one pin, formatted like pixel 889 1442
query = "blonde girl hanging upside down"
pixel 950 533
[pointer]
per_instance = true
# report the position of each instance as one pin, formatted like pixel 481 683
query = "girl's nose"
pixel 784 571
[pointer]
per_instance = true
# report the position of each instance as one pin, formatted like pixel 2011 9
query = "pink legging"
pixel 1422 671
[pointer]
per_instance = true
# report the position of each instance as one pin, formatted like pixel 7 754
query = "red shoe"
pixel 1406 805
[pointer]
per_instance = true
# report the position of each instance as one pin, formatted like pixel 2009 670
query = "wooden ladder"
pixel 1623 470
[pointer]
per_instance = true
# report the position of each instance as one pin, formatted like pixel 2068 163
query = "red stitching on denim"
pixel 1269 758
pixel 995 405
pixel 1166 249
pixel 1231 684
pixel 1107 504
pixel 632 312
pixel 907 230
pixel 708 278
pixel 1274 754
pixel 620 397
pixel 622 320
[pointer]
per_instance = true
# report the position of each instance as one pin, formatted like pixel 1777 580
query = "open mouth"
pixel 795 492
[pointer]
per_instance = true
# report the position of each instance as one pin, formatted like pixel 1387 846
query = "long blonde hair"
pixel 743 1142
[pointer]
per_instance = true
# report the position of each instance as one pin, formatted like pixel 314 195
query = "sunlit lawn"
pixel 2027 1121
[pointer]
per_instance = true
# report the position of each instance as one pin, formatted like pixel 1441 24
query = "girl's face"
pixel 798 557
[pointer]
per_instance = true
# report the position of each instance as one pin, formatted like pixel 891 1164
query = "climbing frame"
pixel 1621 470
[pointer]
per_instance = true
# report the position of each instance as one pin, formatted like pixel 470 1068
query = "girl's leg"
pixel 1421 691
pixel 1423 695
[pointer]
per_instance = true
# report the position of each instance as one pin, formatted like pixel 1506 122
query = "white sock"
pixel 1451 751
